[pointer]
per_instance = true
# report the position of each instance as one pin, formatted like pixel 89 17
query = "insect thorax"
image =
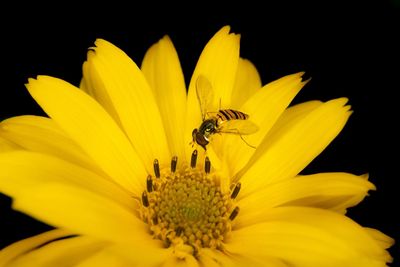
pixel 208 127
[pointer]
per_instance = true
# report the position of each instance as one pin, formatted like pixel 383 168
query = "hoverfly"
pixel 227 121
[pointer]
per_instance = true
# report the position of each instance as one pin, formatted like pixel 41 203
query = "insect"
pixel 227 121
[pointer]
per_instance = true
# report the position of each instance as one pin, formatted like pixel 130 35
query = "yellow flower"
pixel 113 169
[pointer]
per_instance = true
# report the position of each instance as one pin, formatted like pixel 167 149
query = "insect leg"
pixel 236 131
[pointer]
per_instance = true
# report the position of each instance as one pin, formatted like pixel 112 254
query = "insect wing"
pixel 204 93
pixel 242 127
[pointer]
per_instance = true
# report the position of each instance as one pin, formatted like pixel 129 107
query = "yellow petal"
pixel 286 152
pixel 212 257
pixel 247 82
pixel 142 256
pixel 22 170
pixel 64 252
pixel 104 258
pixel 264 109
pixel 83 84
pixel 294 113
pixel 218 63
pixel 206 259
pixel 380 238
pixel 334 191
pixel 7 145
pixel 84 212
pixel 40 134
pixel 133 100
pixel 163 71
pixel 86 122
pixel 9 253
pixel 189 261
pixel 291 114
pixel 94 86
pixel 308 237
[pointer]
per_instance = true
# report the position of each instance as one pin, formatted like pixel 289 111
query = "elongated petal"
pixel 309 237
pixel 288 117
pixel 286 152
pixel 22 170
pixel 13 251
pixel 211 257
pixel 293 113
pixel 83 84
pixel 206 258
pixel 334 191
pixel 7 145
pixel 84 212
pixel 106 259
pixel 43 135
pixel 380 238
pixel 189 261
pixel 218 63
pixel 163 71
pixel 132 99
pixel 64 252
pixel 86 122
pixel 247 82
pixel 155 255
pixel 95 87
pixel 264 109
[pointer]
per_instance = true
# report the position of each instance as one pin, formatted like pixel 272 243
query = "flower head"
pixel 135 172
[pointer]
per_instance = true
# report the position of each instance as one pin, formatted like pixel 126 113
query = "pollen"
pixel 185 204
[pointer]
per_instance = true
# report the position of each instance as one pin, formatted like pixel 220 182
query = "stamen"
pixel 186 204
pixel 174 161
pixel 149 184
pixel 235 191
pixel 232 186
pixel 234 213
pixel 156 168
pixel 207 165
pixel 193 159
pixel 179 230
pixel 145 199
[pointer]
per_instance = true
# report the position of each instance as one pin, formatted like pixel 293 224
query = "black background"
pixel 347 50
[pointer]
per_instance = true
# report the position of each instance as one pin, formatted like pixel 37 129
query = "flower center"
pixel 187 206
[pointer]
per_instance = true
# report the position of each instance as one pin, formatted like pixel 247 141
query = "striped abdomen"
pixel 230 114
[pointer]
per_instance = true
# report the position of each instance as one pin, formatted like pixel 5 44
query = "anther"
pixel 145 199
pixel 207 165
pixel 156 168
pixel 234 213
pixel 193 159
pixel 174 161
pixel 149 184
pixel 179 230
pixel 235 191
pixel 188 206
pixel 232 186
